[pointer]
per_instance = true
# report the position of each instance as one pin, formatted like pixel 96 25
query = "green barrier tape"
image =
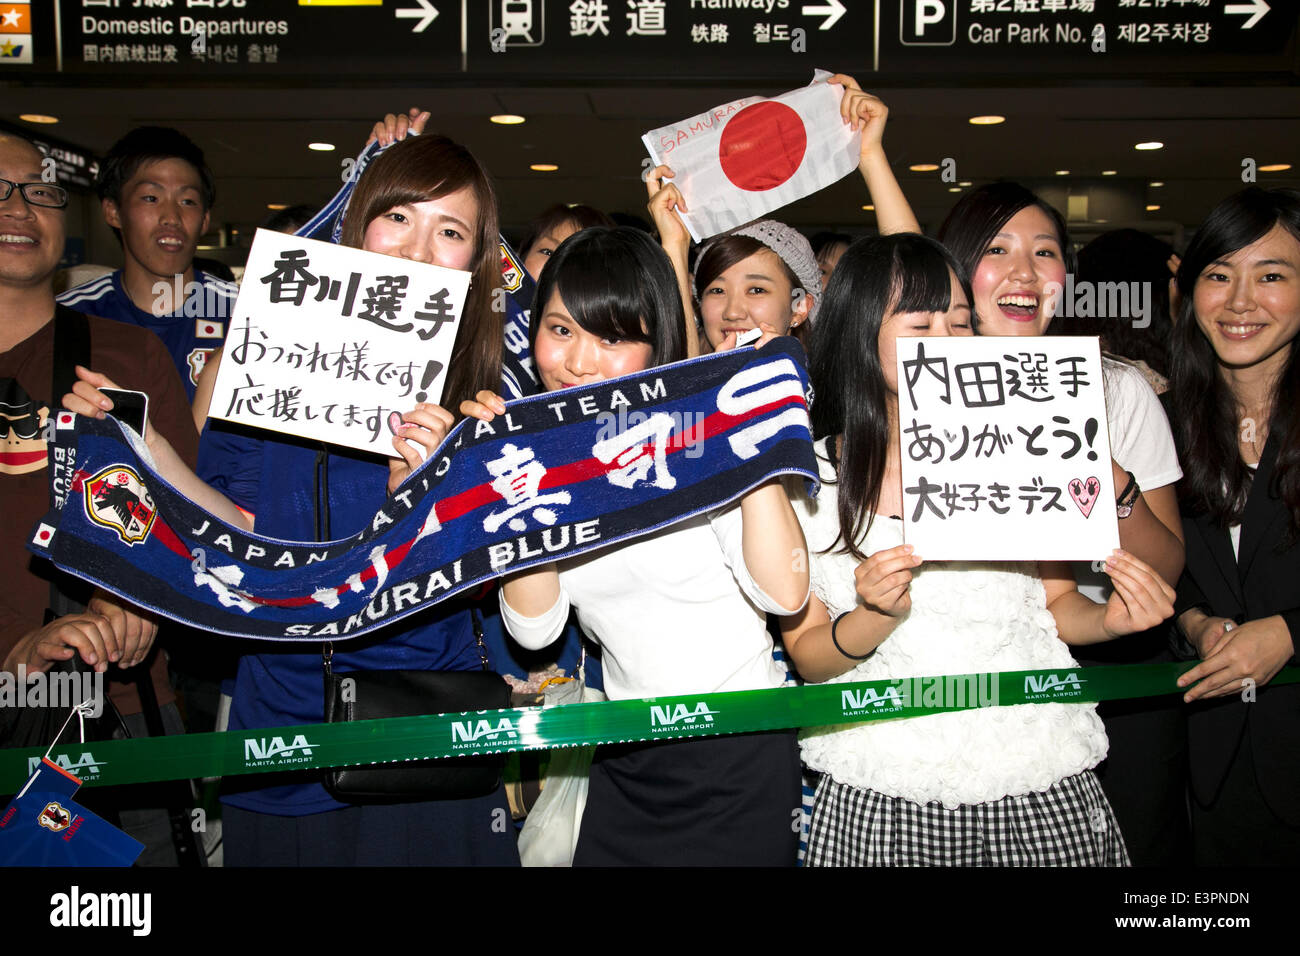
pixel 314 746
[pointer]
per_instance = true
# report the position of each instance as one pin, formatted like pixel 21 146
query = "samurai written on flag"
pixel 741 160
pixel 1006 454
pixel 333 343
pixel 557 475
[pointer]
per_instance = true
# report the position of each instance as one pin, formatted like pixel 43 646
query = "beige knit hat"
pixel 790 246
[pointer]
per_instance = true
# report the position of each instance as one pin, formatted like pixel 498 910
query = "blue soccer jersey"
pixel 191 333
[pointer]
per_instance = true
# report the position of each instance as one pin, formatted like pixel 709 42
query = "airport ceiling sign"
pixel 276 42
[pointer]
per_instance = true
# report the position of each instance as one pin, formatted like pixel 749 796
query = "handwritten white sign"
pixel 333 343
pixel 1006 453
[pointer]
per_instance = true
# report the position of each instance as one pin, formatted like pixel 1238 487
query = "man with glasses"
pixel 40 342
pixel 157 193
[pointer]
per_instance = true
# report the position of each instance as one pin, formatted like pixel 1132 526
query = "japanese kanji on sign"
pixel 333 343
pixel 1006 453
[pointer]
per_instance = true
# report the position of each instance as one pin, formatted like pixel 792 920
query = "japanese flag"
pixel 740 161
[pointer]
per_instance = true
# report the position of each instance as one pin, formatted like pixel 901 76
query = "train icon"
pixel 517 22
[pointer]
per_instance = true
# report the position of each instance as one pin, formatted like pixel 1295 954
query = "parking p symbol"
pixel 927 22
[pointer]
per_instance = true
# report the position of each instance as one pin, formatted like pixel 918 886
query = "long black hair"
pixel 1128 256
pixel 1203 410
pixel 876 277
pixel 612 281
pixel 980 215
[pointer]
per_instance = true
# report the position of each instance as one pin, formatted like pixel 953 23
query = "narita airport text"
pixel 1159 899
pixel 978 33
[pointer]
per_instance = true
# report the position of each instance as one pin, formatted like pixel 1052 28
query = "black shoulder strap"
pixel 71 348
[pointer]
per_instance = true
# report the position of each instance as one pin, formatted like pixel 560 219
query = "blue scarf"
pixel 556 476
pixel 517 376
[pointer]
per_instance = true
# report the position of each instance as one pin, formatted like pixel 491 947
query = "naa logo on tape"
pixel 680 715
pixel 86 767
pixel 1038 687
pixel 274 752
pixel 869 700
pixel 465 734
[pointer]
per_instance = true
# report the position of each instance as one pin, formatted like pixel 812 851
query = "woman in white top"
pixel 991 786
pixel 681 611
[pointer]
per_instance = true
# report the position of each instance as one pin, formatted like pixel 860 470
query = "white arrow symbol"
pixel 832 11
pixel 1256 8
pixel 426 15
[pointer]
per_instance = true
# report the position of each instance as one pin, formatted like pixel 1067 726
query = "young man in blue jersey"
pixel 157 193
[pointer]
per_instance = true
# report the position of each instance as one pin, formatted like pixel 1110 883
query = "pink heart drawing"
pixel 1084 492
pixel 395 422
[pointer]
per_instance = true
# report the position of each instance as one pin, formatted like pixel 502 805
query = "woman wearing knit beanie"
pixel 764 273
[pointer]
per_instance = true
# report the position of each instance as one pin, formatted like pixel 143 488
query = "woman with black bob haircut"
pixel 679 611
pixel 1235 401
pixel 991 786
pixel 605 302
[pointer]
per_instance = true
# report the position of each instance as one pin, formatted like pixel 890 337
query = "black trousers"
pixel 1239 828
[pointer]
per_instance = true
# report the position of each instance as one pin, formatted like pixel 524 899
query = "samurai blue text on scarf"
pixel 556 476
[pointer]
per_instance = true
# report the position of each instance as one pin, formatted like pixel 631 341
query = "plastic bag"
pixel 550 834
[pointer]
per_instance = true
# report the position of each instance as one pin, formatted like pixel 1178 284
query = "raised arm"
pixel 868 114
pixel 665 201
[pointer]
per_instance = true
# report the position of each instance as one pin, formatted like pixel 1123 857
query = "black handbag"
pixel 40 726
pixel 367 695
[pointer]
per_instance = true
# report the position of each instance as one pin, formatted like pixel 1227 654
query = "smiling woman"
pixel 974 788
pixel 682 610
pixel 426 199
pixel 1235 396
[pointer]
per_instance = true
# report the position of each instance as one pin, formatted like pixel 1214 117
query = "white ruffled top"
pixel 966 618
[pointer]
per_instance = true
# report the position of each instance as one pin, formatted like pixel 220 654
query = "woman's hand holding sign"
pixel 427 425
pixel 884 580
pixel 1141 598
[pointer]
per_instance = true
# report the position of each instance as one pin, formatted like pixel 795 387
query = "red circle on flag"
pixel 208 329
pixel 45 536
pixel 762 146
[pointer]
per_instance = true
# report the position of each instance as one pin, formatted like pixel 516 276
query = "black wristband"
pixel 1128 497
pixel 835 641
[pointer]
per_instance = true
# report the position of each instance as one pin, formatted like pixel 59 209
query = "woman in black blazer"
pixel 1235 410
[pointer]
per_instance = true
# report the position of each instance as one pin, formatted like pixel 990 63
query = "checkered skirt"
pixel 1070 824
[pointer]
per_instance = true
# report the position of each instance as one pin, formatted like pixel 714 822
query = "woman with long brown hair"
pixel 425 199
